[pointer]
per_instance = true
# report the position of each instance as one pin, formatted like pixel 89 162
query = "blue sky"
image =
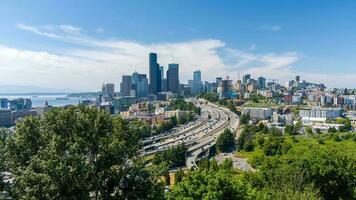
pixel 80 44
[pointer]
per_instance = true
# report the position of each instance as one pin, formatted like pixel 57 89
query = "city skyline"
pixel 79 52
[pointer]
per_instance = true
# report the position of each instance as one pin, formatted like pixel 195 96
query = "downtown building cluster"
pixel 15 109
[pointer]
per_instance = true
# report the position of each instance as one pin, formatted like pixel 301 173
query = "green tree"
pixel 308 130
pixel 142 128
pixel 226 141
pixel 246 136
pixel 330 168
pixel 332 130
pixel 298 125
pixel 209 184
pixel 175 157
pixel 290 129
pixel 78 153
pixel 4 134
pixel 274 132
pixel 244 119
pixel 179 175
pixel 273 146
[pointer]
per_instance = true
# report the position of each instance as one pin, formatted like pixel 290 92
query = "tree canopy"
pixel 226 141
pixel 78 153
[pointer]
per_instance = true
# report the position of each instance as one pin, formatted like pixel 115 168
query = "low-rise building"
pixel 16 115
pixel 320 114
pixel 176 113
pixel 257 114
pixel 5 117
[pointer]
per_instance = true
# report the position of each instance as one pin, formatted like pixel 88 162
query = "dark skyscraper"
pixel 197 84
pixel 218 81
pixel 173 78
pixel 246 78
pixel 139 84
pixel 155 74
pixel 125 87
pixel 261 82
pixel 297 79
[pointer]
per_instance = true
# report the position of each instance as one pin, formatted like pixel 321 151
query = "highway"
pixel 199 135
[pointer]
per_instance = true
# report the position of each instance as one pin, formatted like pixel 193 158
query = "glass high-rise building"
pixel 139 84
pixel 197 76
pixel 261 82
pixel 197 84
pixel 218 80
pixel 154 74
pixel 173 78
pixel 246 78
pixel 125 86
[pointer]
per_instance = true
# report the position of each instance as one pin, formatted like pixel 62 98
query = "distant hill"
pixel 30 89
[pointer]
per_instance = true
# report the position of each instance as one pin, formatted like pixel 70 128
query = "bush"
pixel 226 141
pixel 244 119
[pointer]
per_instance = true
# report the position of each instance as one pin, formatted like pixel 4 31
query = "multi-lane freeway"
pixel 199 135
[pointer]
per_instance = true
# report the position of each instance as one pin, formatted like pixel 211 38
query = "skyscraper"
pixel 197 76
pixel 261 82
pixel 161 72
pixel 197 84
pixel 4 103
pixel 224 91
pixel 297 79
pixel 246 78
pixel 173 78
pixel 125 86
pixel 108 89
pixel 139 84
pixel 155 74
pixel 218 80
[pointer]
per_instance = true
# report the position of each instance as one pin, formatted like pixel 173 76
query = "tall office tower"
pixel 297 79
pixel 164 85
pixel 108 89
pixel 161 71
pixel 224 91
pixel 173 78
pixel 197 84
pixel 218 81
pixel 103 89
pixel 246 78
pixel 155 74
pixel 125 86
pixel 4 103
pixel 197 76
pixel 139 84
pixel 261 82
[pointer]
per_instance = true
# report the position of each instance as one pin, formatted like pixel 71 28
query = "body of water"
pixel 40 100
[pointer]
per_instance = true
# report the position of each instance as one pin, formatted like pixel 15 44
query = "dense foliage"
pixel 244 119
pixel 4 133
pixel 214 98
pixel 174 157
pixel 301 167
pixel 211 182
pixel 181 104
pixel 78 153
pixel 323 164
pixel 226 141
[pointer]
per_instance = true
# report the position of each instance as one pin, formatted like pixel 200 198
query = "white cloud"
pixel 70 29
pixel 268 27
pixel 36 30
pixel 95 61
